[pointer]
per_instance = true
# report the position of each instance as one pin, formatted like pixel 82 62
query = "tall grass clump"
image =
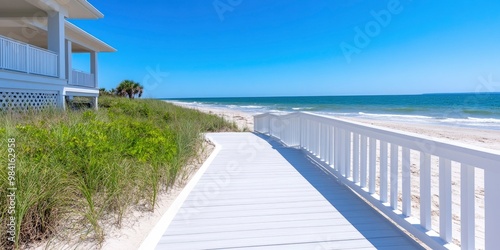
pixel 76 170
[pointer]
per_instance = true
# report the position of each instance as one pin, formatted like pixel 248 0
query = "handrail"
pixel 350 150
pixel 26 58
pixel 27 44
pixel 82 78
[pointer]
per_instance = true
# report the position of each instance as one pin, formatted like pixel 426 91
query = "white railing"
pixel 22 57
pixel 384 165
pixel 81 78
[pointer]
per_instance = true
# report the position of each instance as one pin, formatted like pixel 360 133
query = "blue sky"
pixel 232 48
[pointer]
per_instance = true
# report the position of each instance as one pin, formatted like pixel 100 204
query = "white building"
pixel 36 47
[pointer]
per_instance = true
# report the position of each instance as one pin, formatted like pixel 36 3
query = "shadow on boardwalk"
pixel 372 225
pixel 277 199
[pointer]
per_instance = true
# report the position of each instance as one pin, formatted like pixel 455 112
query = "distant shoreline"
pixel 293 96
pixel 472 136
pixel 456 110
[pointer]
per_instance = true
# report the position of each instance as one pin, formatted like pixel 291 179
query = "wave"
pixel 190 104
pixel 302 108
pixel 252 107
pixel 396 116
pixel 278 111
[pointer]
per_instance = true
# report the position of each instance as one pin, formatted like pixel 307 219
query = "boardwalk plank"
pixel 257 194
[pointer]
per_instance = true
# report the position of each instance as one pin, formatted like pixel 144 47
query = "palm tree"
pixel 138 89
pixel 129 88
pixel 125 88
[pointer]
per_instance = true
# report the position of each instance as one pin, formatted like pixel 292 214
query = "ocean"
pixel 474 110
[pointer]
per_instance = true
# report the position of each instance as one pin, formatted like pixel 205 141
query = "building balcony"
pixel 80 78
pixel 26 58
pixel 37 44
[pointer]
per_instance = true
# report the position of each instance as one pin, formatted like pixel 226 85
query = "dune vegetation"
pixel 75 169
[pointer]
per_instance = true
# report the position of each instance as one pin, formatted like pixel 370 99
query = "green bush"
pixel 86 166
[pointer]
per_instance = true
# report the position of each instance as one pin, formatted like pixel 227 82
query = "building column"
pixel 96 102
pixel 93 67
pixel 69 62
pixel 56 37
pixel 62 100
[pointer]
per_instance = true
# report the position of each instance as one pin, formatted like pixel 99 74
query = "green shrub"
pixel 85 166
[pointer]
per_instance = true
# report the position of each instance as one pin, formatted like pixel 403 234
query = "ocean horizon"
pixel 473 110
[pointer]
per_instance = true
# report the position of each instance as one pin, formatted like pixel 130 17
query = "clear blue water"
pixel 468 110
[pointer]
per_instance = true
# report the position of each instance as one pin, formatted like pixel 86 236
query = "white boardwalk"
pixel 257 194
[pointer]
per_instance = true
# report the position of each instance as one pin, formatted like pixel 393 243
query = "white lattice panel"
pixel 18 100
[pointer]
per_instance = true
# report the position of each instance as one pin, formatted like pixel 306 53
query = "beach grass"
pixel 76 169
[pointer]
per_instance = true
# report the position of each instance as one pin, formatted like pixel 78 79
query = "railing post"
pixel 301 128
pixel 325 142
pixel 445 215
pixel 28 64
pixel 394 175
pixel 342 152
pixel 347 145
pixel 406 185
pixel 317 141
pixel 383 172
pixel 307 135
pixel 425 191
pixel 330 145
pixel 302 131
pixel 467 216
pixel 321 139
pixel 372 165
pixel 363 167
pixel 355 157
pixel 313 138
pixel 336 161
pixel 492 207
pixel 69 60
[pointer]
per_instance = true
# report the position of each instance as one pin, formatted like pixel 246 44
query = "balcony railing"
pixel 22 57
pixel 81 78
pixel 381 165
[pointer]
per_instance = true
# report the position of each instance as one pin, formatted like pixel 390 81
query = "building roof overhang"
pixel 34 31
pixel 85 40
pixel 73 9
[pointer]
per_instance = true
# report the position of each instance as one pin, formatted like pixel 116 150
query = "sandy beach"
pixel 243 120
